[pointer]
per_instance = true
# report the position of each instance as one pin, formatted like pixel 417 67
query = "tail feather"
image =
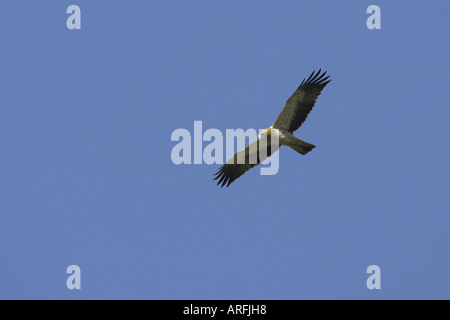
pixel 302 147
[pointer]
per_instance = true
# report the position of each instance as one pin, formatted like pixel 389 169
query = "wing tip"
pixel 317 78
pixel 224 178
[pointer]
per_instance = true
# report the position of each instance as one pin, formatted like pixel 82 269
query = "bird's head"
pixel 265 134
pixel 269 133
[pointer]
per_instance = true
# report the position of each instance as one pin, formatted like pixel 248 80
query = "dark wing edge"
pixel 231 171
pixel 312 88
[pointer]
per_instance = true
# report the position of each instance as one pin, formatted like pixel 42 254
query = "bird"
pixel 294 113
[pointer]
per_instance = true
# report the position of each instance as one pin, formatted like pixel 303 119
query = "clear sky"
pixel 86 176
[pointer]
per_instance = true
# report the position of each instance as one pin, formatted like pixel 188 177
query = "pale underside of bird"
pixel 291 117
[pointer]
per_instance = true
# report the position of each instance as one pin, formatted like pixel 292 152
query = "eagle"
pixel 291 117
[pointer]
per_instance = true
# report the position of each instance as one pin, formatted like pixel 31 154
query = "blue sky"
pixel 86 176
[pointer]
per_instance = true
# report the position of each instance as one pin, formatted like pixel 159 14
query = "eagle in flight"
pixel 291 117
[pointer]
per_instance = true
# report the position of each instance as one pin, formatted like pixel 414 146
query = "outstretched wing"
pixel 244 160
pixel 300 104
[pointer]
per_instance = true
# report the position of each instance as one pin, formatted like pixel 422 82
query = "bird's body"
pixel 286 138
pixel 291 117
